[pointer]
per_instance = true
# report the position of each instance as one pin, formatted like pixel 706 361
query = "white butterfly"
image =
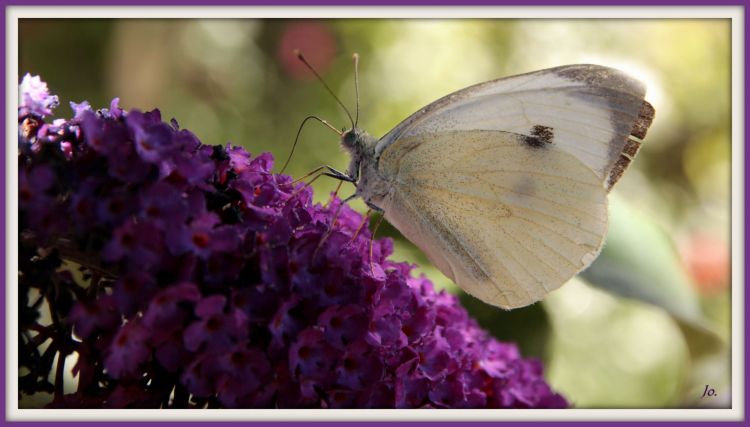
pixel 504 184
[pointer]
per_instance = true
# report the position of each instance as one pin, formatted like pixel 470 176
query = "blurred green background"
pixel 648 325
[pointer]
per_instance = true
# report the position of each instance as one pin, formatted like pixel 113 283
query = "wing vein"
pixel 521 265
pixel 489 199
pixel 558 219
pixel 563 236
pixel 551 249
pixel 463 244
pixel 514 171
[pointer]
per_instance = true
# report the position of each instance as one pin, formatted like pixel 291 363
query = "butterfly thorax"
pixel 363 167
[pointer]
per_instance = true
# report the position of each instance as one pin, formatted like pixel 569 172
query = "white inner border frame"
pixel 735 13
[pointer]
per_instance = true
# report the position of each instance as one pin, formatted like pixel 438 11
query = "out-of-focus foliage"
pixel 237 80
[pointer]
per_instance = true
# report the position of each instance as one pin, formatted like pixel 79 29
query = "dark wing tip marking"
pixel 620 166
pixel 640 127
pixel 617 170
pixel 540 136
pixel 631 148
pixel 643 122
pixel 603 77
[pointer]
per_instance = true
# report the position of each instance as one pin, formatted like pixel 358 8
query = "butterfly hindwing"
pixel 507 217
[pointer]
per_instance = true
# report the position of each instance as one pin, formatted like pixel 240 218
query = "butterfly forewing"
pixel 588 111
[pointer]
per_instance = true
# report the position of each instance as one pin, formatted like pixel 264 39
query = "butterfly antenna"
pixel 355 57
pixel 296 139
pixel 320 79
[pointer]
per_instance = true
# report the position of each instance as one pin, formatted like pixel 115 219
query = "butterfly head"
pixel 353 140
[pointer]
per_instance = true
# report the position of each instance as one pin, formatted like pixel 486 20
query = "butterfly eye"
pixel 349 139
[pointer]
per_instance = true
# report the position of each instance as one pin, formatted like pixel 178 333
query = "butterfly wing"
pixel 591 111
pixel 503 184
pixel 506 220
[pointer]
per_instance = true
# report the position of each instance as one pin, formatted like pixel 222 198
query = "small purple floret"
pixel 35 98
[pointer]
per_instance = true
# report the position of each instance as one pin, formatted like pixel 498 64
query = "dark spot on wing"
pixel 544 133
pixel 540 136
pixel 532 142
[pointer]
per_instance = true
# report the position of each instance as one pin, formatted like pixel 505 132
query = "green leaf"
pixel 639 261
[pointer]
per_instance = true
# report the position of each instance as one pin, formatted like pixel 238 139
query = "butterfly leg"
pixel 318 172
pixel 333 224
pixel 378 209
pixel 341 176
pixel 303 187
pixel 361 225
pixel 374 207
pixel 335 193
pixel 372 240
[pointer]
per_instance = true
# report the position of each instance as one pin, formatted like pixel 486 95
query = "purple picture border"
pixel 746 175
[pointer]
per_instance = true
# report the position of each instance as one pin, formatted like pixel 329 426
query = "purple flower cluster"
pixel 192 276
pixel 34 98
